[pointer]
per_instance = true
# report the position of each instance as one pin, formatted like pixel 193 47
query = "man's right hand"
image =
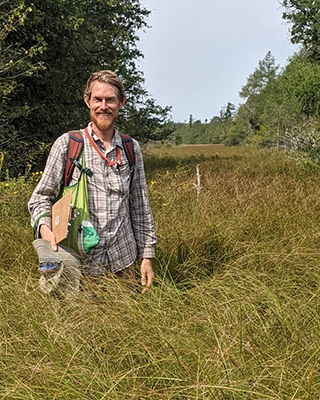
pixel 47 234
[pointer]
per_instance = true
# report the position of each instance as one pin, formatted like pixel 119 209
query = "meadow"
pixel 234 311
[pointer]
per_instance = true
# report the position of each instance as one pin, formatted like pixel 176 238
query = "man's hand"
pixel 47 234
pixel 146 274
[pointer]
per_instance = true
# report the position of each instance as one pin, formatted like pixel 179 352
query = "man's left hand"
pixel 146 274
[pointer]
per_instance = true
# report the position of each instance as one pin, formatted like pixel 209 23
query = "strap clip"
pixel 79 166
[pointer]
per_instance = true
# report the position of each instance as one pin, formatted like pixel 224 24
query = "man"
pixel 118 203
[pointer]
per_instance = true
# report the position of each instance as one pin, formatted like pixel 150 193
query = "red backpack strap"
pixel 75 147
pixel 127 143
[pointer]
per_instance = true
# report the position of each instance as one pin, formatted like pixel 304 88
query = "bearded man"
pixel 118 201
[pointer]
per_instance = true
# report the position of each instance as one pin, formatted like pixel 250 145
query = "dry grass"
pixel 234 310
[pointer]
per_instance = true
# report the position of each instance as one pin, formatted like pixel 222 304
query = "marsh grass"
pixel 233 314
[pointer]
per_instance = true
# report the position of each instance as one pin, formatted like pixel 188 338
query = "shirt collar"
pixel 116 140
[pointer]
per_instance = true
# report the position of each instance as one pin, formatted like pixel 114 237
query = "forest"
pixel 48 50
pixel 281 108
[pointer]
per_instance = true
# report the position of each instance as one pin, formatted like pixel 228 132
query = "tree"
pixel 227 112
pixel 265 73
pixel 16 62
pixel 76 38
pixel 256 91
pixel 149 119
pixel 304 15
pixel 287 105
pixel 177 139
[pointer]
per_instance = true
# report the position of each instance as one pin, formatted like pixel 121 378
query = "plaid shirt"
pixel 120 213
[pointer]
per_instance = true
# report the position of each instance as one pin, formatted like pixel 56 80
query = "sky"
pixel 199 53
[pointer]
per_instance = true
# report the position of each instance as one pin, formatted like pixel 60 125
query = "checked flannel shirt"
pixel 120 212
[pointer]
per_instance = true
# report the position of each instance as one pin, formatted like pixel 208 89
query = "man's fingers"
pixel 143 278
pixel 149 278
pixel 146 279
pixel 47 234
pixel 52 241
pixel 146 275
pixel 143 282
pixel 54 246
pixel 146 282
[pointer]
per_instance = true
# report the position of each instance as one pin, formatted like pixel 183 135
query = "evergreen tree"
pixel 265 73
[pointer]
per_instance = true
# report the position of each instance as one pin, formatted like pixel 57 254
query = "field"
pixel 234 311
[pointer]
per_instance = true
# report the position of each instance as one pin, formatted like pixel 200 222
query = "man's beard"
pixel 102 124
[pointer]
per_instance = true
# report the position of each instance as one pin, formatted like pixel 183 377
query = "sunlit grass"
pixel 233 314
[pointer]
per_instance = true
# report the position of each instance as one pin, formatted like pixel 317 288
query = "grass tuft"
pixel 233 314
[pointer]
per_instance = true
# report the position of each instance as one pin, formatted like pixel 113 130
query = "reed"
pixel 234 310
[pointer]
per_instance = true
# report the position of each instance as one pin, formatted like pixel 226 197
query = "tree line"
pixel 281 107
pixel 49 47
pixel 48 50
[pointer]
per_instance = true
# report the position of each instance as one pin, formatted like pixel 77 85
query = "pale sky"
pixel 199 53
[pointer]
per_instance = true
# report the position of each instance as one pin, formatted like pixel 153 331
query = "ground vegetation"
pixel 233 314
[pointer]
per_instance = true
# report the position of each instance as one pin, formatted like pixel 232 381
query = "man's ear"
pixel 86 100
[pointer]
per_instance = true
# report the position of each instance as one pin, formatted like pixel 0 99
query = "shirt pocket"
pixel 119 179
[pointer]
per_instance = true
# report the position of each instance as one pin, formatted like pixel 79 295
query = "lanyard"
pixel 110 163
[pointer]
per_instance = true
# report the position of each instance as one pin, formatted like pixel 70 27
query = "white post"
pixel 198 185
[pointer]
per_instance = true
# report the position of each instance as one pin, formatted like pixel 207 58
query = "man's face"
pixel 104 105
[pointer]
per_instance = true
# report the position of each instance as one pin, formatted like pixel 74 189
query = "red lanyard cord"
pixel 110 163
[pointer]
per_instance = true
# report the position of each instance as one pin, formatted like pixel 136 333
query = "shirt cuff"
pixel 147 252
pixel 43 221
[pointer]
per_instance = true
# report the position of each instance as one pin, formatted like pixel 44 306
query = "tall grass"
pixel 233 314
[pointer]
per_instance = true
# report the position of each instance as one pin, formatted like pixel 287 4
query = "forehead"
pixel 102 89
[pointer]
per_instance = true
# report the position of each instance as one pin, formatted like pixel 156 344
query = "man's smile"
pixel 103 114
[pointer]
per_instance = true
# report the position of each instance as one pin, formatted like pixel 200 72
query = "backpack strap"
pixel 127 144
pixel 75 147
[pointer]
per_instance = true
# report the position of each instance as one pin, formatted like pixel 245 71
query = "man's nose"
pixel 104 104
